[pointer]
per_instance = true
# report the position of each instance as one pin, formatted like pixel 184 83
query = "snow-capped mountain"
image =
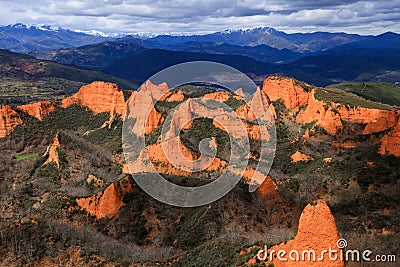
pixel 23 38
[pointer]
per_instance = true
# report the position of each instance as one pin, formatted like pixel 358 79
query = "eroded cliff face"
pixel 160 91
pixel 267 189
pixel 376 120
pixel 173 163
pixel 286 89
pixel 316 111
pixel 138 108
pixel 258 108
pixel 106 203
pixel 390 143
pixel 99 97
pixel 39 109
pixel 330 116
pixel 176 97
pixel 9 118
pixel 317 231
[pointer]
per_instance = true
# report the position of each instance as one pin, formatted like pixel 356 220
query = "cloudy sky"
pixel 190 16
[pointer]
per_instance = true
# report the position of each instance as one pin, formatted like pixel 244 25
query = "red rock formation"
pixel 9 118
pixel 267 189
pixel 140 106
pixel 176 97
pixel 306 136
pixel 376 120
pixel 99 97
pixel 240 92
pixel 317 231
pixel 286 89
pixel 106 203
pixel 323 115
pixel 181 157
pixel 53 152
pixel 219 96
pixel 39 109
pixel 390 143
pixel 181 119
pixel 259 107
pixel 298 156
pixel 328 116
pixel 160 92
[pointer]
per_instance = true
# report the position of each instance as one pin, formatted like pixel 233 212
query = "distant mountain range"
pixel 23 38
pixel 299 42
pixel 320 58
pixel 128 58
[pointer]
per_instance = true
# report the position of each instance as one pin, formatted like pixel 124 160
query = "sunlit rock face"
pixel 330 116
pixel 317 232
pixel 9 118
pixel 106 203
pixel 39 109
pixel 99 97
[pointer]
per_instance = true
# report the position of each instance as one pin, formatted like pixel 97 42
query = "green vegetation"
pixel 385 93
pixel 204 128
pixel 25 157
pixel 109 137
pixel 234 103
pixel 304 85
pixel 152 138
pixel 74 118
pixel 191 230
pixel 24 79
pixel 165 107
pixel 217 253
pixel 346 98
pixel 194 91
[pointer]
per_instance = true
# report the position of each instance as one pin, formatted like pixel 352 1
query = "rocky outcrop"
pixel 177 96
pixel 267 189
pixel 240 92
pixel 306 136
pixel 317 231
pixel 332 116
pixel 390 143
pixel 322 114
pixel 9 118
pixel 106 203
pixel 39 109
pixel 182 119
pixel 140 107
pixel 376 120
pixel 298 156
pixel 180 163
pixel 287 90
pixel 258 108
pixel 52 151
pixel 219 96
pixel 99 97
pixel 160 91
